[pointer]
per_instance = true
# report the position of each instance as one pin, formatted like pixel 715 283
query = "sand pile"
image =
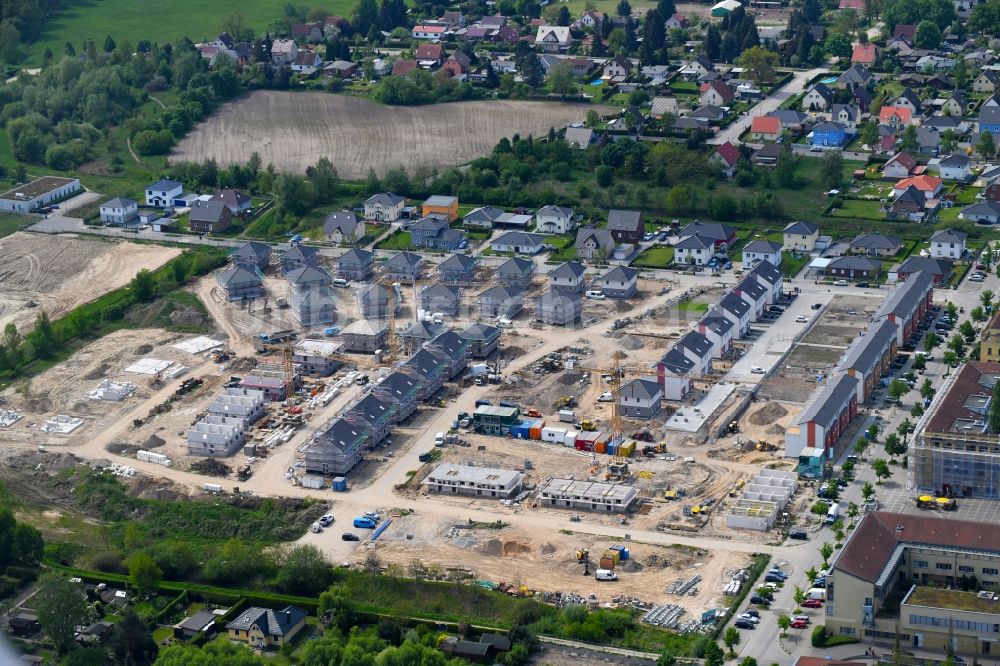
pixel 631 342
pixel 768 414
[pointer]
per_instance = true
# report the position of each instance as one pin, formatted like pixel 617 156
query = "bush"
pixel 819 637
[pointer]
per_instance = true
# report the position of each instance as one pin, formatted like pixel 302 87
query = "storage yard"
pixel 58 273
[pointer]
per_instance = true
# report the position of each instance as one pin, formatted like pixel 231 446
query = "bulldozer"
pixel 587 425
pixel 566 402
pixel 764 445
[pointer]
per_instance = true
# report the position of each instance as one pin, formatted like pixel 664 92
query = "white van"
pixel 341 282
pixel 606 574
pixel 439 439
pixel 316 527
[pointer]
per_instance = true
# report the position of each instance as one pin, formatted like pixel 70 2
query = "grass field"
pixel 11 222
pixel 160 22
pixel 658 256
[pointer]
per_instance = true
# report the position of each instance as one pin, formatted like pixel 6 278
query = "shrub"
pixel 819 638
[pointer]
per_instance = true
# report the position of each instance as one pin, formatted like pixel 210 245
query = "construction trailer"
pixel 588 495
pixel 454 479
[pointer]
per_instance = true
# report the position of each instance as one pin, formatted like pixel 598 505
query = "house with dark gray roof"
pixel 559 308
pixel 119 211
pixel 237 202
pixel 770 277
pixel 568 277
pixel 431 367
pixel 252 253
pixel 434 233
pixel 948 244
pixel 310 298
pixel 518 242
pixel 337 447
pixel 640 398
pixel 718 330
pixel 374 300
pixel 355 264
pixel 483 338
pixel 418 333
pixel 404 267
pixel 939 269
pixel 984 212
pixel 343 227
pixel 483 217
pixel 721 235
pixel 298 256
pixel 456 349
pixel 800 236
pixel 755 295
pixel 761 250
pixel 209 217
pixel 619 282
pixel 829 411
pixel 457 268
pixel 241 282
pixel 908 303
pixel 876 245
pixel 263 627
pixel 516 272
pixel 626 226
pixel 698 348
pixel 737 311
pixel 675 373
pixel 870 356
pixel 442 298
pixel 376 414
pixel 399 388
pixel 693 249
pixel 501 301
pixel 853 268
pixel 594 243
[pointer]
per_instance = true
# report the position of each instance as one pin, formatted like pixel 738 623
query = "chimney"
pixel 288 616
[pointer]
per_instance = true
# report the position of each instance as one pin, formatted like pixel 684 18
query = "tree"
pixel 132 641
pixel 867 491
pixel 967 331
pixel 868 132
pixel 910 142
pixel 917 410
pixel 143 286
pixel 713 655
pixel 833 169
pixel 760 62
pixel 786 167
pixel 985 17
pixel 60 607
pixel 986 298
pixel 303 570
pixel 799 596
pixel 951 310
pixel 11 346
pixel 143 573
pixel 784 622
pixel 838 44
pixel 731 637
pixel 985 146
pixel 624 9
pixel 897 389
pixel 847 468
pixel 42 336
pixel 217 653
pixel 881 469
pixel 109 44
pixel 931 341
pixel 927 36
pixel 950 358
pixel 364 17
pixel 826 552
pixel 561 80
pixel 978 314
pixel 957 345
pixel 995 408
pixel 324 180
pixel 893 446
pixel 905 428
pixel 853 510
pixel 10 42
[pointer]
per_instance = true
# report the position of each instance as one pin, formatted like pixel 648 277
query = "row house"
pixel 825 417
pixel 719 331
pixel 737 311
pixel 753 294
pixel 769 277
pixel 869 357
pixel 374 414
pixel 483 339
pixel 430 367
pixel 907 305
pixel 336 448
pixel 698 349
pixel 675 373
pixel 403 390
pixel 455 349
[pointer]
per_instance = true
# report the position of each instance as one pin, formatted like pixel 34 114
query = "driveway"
pixel 765 106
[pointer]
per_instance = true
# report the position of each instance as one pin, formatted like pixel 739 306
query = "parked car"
pixel 802 319
pixel 757 599
pixel 756 370
pixel 862 285
pixel 812 603
pixel 800 535
pixel 748 616
pixel 595 294
pixel 817 306
pixel 347 536
pixel 798 624
pixel 326 520
pixel 840 283
pixel 752 612
pixel 743 623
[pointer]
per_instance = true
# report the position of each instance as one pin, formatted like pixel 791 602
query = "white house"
pixel 518 242
pixel 283 51
pixel 753 294
pixel 554 220
pixel 955 167
pixel 719 331
pixel 693 249
pixel 698 349
pixel 675 373
pixel 428 31
pixel 761 250
pixel 948 244
pixel 119 211
pixel 162 193
pixel 817 98
pixel 384 207
pixel 343 227
pixel 640 398
pixel 801 236
pixel 553 38
pixel 736 310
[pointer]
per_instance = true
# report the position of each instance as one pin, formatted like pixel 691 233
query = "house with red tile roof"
pixel 716 93
pixel 402 67
pixel 727 156
pixel 433 53
pixel 765 128
pixel 856 5
pixel 864 54
pixel 895 116
pixel 929 186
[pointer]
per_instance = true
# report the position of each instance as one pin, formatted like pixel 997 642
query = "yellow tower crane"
pixel 618 469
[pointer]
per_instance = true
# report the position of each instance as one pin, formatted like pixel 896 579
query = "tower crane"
pixel 618 469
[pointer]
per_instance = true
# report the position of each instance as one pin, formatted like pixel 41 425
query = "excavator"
pixel 583 557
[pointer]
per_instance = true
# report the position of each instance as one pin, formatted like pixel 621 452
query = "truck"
pixel 832 514
pixel 817 593
pixel 277 337
pixel 365 522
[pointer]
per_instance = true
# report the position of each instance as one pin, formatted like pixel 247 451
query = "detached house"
pixel 552 38
pixel 594 243
pixel 721 235
pixel 404 267
pixel 955 167
pixel 554 220
pixel 500 301
pixel 433 233
pixel 716 93
pixel 483 217
pixel 516 272
pixel 298 256
pixel 765 128
pixel 896 117
pixel 693 249
pixel 929 186
pixel 829 134
pixel 817 98
pixel 355 265
pixel 853 268
pixel 283 51
pixel 343 228
pixel 457 268
pixel 162 193
pixel 899 165
pixel 876 245
pixel 558 308
pixel 384 207
pixel 570 277
pixel 263 627
pixel 640 398
pixel 252 254
pixel 209 217
pixel 864 54
pixel 241 283
pixel 518 242
pixel 430 55
pixel 727 156
pixel 237 202
pixel 428 31
pixel 847 115
pixel 986 212
pixel 626 226
pixel 619 282
pixel 761 250
pixel 119 211
pixel 948 244
pixel 987 82
pixel 800 236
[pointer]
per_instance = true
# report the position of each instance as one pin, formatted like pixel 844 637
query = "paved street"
pixel 765 106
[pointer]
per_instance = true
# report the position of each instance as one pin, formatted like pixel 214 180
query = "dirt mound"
pixel 143 349
pixel 38 405
pixel 768 414
pixel 122 448
pixel 492 547
pixel 512 352
pixel 212 467
pixel 548 549
pixel 631 342
pixel 515 548
pixel 153 441
pixel 776 429
pixel 630 566
pixel 98 372
pixel 622 306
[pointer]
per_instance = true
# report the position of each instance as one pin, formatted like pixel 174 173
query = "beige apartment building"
pixel 915 558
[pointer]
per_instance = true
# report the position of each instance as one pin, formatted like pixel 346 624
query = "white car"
pixel 597 295
pixel 748 616
pixel 607 396
pixel 802 319
pixel 326 520
pixel 840 283
pixel 816 149
pixel 316 527
pixel 756 370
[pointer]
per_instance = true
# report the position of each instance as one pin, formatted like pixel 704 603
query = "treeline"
pixel 48 340
pixel 21 22
pixel 21 550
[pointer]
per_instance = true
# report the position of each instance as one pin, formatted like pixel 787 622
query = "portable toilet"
pixel 339 484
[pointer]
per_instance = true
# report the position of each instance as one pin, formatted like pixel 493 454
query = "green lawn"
pixel 691 306
pixel 160 22
pixel 400 240
pixel 11 222
pixel 791 265
pixel 858 208
pixel 658 256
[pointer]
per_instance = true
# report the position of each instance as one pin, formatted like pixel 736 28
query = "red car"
pixel 812 603
pixel 980 267
pixel 799 624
